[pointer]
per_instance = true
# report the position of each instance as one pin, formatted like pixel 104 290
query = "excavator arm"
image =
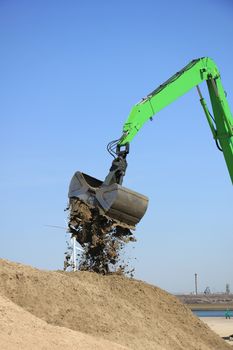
pixel 126 207
pixel 197 71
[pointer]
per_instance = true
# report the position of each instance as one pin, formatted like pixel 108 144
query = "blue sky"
pixel 70 73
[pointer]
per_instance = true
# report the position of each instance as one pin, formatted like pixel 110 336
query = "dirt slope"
pixel 19 329
pixel 127 312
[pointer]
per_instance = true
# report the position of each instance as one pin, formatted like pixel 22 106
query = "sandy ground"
pixel 83 310
pixel 220 325
pixel 19 329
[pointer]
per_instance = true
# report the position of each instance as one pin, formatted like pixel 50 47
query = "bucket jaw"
pixel 125 207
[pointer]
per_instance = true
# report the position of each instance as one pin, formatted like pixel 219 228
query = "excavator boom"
pixel 126 207
pixel 196 72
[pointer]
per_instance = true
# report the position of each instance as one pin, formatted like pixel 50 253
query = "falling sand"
pixel 101 238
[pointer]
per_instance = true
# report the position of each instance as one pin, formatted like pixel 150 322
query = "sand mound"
pixel 19 329
pixel 114 308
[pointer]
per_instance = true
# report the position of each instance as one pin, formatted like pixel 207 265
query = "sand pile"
pixel 21 330
pixel 97 309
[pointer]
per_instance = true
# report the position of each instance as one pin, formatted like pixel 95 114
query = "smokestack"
pixel 196 283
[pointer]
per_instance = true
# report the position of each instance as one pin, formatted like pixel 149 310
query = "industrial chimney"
pixel 195 283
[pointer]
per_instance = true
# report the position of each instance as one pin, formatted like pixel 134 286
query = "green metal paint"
pixel 196 72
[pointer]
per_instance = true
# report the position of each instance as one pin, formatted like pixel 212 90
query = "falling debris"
pixel 101 238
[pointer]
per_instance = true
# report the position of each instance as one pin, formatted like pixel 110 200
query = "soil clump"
pixel 101 238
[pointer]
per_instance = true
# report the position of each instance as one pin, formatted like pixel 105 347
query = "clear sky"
pixel 70 73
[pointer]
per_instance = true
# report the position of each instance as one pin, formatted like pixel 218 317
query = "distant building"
pixel 207 291
pixel 228 291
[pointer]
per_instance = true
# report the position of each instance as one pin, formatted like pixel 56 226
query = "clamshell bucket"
pixel 124 206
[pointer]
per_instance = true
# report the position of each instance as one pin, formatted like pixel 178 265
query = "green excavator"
pixel 126 207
